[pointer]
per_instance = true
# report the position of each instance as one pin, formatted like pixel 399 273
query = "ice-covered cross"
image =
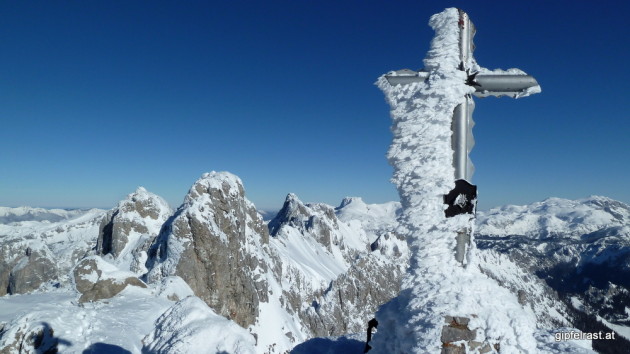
pixel 513 83
pixel 446 303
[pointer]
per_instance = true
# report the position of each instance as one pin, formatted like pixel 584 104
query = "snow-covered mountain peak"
pixel 126 230
pixel 372 217
pixel 218 243
pixel 145 205
pixel 292 210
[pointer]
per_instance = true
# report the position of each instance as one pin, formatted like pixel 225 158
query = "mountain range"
pixel 213 276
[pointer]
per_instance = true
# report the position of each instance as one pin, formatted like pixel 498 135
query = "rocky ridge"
pixel 359 268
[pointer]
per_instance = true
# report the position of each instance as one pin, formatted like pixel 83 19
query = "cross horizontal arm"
pixel 485 84
pixel 503 85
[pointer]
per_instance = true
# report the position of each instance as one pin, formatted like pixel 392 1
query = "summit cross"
pixel 512 83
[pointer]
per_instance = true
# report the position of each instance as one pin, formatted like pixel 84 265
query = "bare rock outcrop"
pixel 217 242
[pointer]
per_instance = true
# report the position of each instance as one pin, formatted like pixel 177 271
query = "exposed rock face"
pixel 31 271
pixel 24 269
pixel 96 280
pixel 217 242
pixel 136 218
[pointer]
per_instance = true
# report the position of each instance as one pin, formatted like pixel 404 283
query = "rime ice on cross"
pixel 513 83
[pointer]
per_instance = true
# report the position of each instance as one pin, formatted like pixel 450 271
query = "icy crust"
pixel 190 326
pixel 436 285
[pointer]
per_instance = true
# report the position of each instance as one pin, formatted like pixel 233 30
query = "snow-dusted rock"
pixel 27 336
pixel 341 263
pixel 190 326
pixel 127 230
pixel 216 242
pixel 96 279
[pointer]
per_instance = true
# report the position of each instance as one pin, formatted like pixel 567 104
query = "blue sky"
pixel 100 97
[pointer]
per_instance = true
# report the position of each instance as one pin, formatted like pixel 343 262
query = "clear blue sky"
pixel 99 97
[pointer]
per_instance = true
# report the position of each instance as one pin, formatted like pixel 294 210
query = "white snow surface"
pixel 118 323
pixel 547 344
pixel 436 285
pixel 351 227
pixel 190 326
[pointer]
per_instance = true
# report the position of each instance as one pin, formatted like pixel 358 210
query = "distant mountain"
pixel 20 214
